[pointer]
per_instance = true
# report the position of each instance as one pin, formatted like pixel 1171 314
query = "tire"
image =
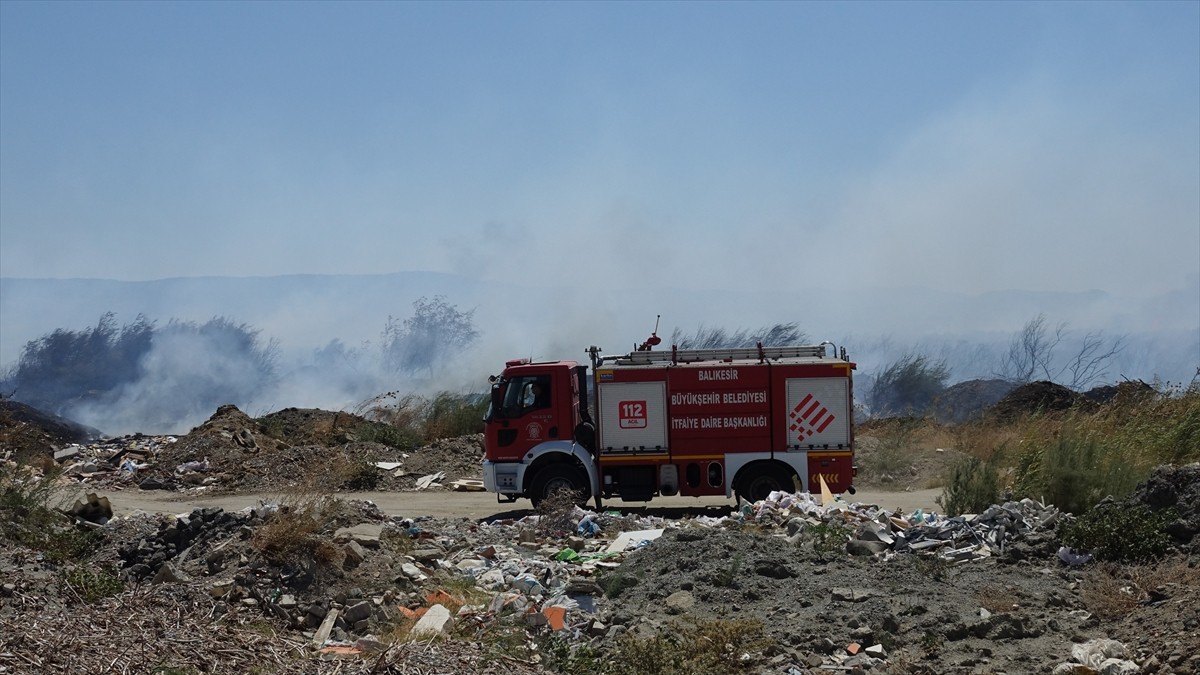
pixel 760 481
pixel 554 477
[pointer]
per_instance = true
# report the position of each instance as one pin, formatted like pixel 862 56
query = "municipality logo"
pixel 809 417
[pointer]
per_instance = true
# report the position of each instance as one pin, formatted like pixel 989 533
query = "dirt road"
pixel 479 505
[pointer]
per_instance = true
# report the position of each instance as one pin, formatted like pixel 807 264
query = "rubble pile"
pixel 919 592
pixel 1013 531
pixel 565 573
pixel 293 447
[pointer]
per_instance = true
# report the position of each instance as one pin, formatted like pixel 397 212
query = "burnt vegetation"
pixel 202 365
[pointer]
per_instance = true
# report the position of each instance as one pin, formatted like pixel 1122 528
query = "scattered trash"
pixel 430 480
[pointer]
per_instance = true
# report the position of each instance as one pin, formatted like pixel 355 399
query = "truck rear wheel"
pixel 760 481
pixel 555 477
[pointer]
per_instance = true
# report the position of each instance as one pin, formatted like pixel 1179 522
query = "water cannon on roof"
pixel 652 341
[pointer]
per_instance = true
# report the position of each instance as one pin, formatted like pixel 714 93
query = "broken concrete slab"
pixel 628 540
pixel 433 623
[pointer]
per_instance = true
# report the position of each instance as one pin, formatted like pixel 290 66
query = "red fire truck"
pixel 692 422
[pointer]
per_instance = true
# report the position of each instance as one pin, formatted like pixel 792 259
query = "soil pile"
pixel 967 400
pixel 1174 488
pixel 1127 392
pixel 31 433
pixel 1034 398
pixel 311 449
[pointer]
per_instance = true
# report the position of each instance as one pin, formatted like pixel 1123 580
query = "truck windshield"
pixel 521 395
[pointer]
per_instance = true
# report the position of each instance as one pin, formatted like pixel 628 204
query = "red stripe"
pixel 801 403
pixel 825 424
pixel 814 406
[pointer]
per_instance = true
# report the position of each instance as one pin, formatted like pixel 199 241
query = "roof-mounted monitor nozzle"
pixel 652 341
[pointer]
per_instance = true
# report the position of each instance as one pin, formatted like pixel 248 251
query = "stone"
pixel 860 547
pixel 355 553
pixel 492 579
pixel 168 574
pixel 428 556
pixel 680 601
pixel 357 612
pixel 366 534
pixel 412 572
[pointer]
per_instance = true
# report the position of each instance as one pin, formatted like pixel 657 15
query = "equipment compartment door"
pixel 818 413
pixel 632 416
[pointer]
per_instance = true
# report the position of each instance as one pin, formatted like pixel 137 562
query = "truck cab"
pixel 538 425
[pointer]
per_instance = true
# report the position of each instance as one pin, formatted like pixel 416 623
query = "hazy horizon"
pixel 327 330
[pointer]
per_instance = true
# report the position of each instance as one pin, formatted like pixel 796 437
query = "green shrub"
pixel 1075 472
pixel 1120 533
pixel 452 415
pixel 570 657
pixel 828 538
pixel 707 647
pixel 31 515
pixel 614 583
pixel 395 437
pixel 92 585
pixel 407 422
pixel 974 485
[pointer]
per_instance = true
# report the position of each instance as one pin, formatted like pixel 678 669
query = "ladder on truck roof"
pixel 759 353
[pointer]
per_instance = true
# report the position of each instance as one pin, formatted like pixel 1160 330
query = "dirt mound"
pixel 966 400
pixel 1177 488
pixel 1129 391
pixel 307 449
pixel 31 433
pixel 810 607
pixel 1034 398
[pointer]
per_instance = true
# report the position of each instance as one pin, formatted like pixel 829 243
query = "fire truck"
pixel 694 422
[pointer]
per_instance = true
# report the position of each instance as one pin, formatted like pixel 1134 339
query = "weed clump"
pixel 557 513
pixel 616 582
pixel 289 534
pixel 706 647
pixel 1076 471
pixel 32 514
pixel 90 585
pixel 1126 533
pixel 1113 591
pixel 406 422
pixel 827 538
pixel 974 485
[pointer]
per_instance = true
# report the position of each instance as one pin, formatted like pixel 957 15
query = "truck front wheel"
pixel 555 477
pixel 759 481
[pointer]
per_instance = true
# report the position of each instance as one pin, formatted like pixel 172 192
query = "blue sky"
pixel 975 146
